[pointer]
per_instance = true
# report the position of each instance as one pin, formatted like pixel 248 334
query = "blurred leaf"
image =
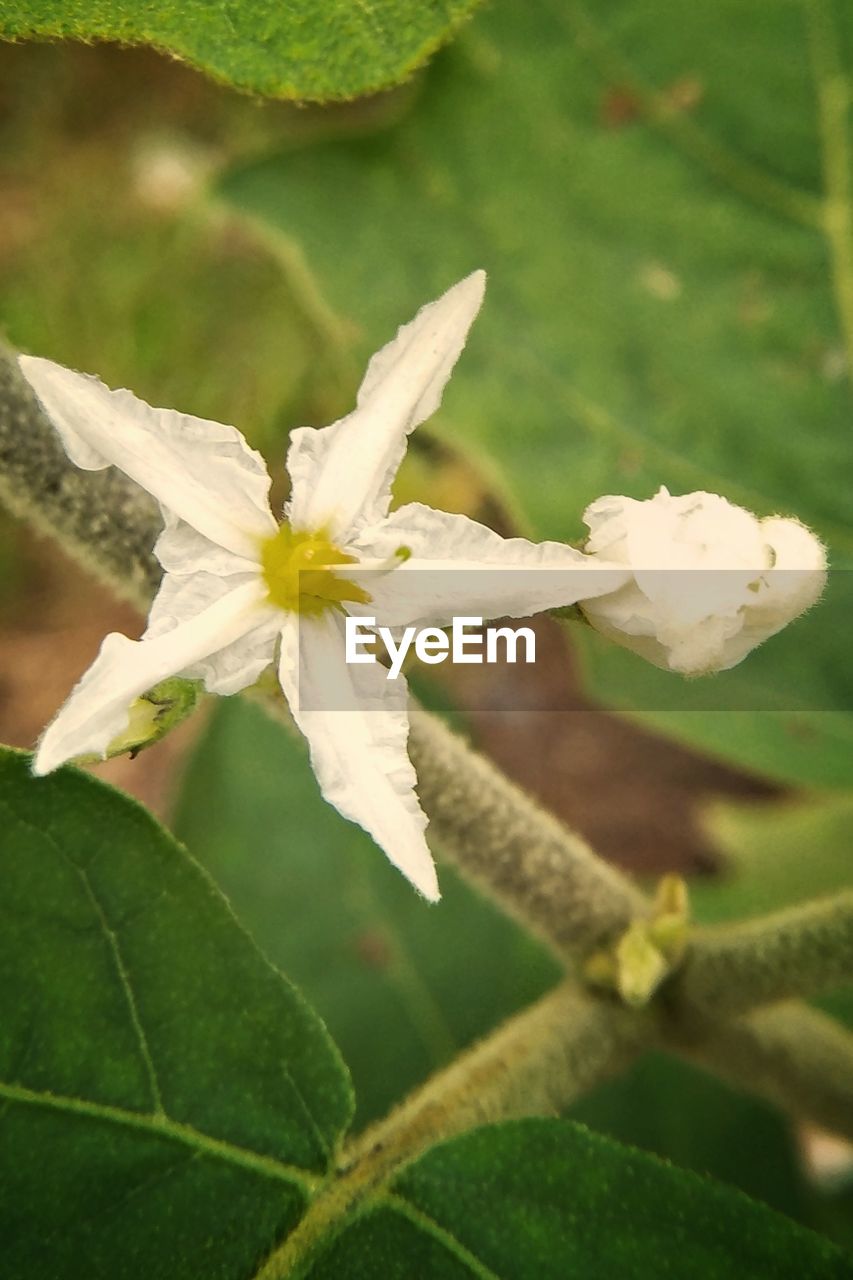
pixel 776 855
pixel 661 307
pixel 675 1111
pixel 111 260
pixel 308 51
pixel 783 711
pixel 402 985
pixel 836 1217
pixel 168 1099
pixel 191 317
pixel 545 1199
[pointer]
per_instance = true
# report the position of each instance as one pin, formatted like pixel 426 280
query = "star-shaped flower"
pixel 240 588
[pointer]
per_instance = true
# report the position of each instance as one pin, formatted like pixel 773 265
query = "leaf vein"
pixel 118 960
pixel 158 1108
pixel 393 1200
pixel 127 988
pixel 161 1125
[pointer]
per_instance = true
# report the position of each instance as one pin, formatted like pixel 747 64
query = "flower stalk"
pixel 802 951
pixel 107 524
pixel 538 870
pixel 789 1054
pixel 537 1063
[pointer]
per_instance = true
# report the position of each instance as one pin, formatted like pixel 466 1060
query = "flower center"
pixel 297 571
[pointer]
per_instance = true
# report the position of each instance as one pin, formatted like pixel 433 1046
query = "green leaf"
pixel 304 50
pixel 545 1199
pixel 776 855
pixel 644 187
pixel 168 1099
pixel 402 985
pixel 675 1111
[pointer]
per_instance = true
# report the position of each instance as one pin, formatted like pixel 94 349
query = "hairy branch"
pixel 538 870
pixel 801 951
pixel 794 1056
pixel 101 518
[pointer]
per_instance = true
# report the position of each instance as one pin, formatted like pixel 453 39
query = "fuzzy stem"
pixel 535 1064
pixel 538 870
pixel 101 518
pixel 792 1055
pixel 801 951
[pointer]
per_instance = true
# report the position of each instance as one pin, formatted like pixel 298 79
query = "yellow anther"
pixel 298 572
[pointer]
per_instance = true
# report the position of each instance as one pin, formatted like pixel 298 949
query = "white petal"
pixel 342 474
pixel 202 471
pixel 794 583
pixel 710 581
pixel 357 727
pixel 97 710
pixel 182 549
pixel 459 567
pixel 798 576
pixel 237 665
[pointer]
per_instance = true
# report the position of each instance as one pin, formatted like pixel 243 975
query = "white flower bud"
pixel 710 580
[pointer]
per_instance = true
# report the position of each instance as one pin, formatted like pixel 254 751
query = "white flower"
pixel 238 587
pixel 709 580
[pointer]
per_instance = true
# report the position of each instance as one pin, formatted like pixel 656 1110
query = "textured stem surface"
pixel 538 870
pixel 793 1056
pixel 100 517
pixel 801 951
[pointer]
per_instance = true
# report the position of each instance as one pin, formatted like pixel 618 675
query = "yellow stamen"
pixel 296 567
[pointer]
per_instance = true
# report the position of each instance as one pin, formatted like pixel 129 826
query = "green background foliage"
pixel 303 50
pixel 649 197
pixel 645 189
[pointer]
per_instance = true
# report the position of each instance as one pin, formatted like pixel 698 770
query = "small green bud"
pixel 669 934
pixel 671 897
pixel 670 922
pixel 155 714
pixel 568 613
pixel 641 966
pixel 649 949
